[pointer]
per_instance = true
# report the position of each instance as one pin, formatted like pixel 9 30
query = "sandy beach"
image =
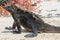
pixel 8 35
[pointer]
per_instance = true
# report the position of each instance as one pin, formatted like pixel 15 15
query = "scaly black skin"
pixel 26 19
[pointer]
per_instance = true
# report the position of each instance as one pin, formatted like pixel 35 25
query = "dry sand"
pixel 8 35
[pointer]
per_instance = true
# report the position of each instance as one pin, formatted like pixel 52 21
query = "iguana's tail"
pixel 51 28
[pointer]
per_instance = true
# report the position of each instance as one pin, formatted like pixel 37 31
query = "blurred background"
pixel 43 8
